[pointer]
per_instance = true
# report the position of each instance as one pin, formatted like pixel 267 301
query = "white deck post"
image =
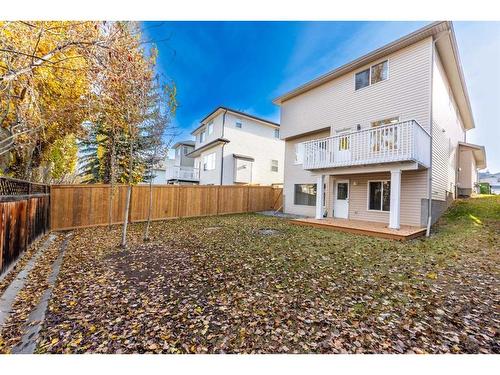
pixel 395 205
pixel 319 196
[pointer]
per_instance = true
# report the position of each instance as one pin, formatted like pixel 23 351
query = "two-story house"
pixel 183 172
pixel 382 138
pixel 233 147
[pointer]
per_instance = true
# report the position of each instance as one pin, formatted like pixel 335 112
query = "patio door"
pixel 341 199
pixel 342 146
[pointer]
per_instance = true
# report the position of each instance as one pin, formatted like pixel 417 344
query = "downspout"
pixel 429 172
pixel 429 207
pixel 222 155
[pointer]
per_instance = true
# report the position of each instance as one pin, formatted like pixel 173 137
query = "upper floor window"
pixel 386 121
pixel 185 150
pixel 202 136
pixel 374 74
pixel 239 124
pixel 274 165
pixel 276 133
pixel 209 162
pixel 210 128
pixel 299 153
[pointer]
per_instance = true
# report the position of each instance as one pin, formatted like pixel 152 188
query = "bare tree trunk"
pixel 112 180
pixel 129 191
pixel 148 224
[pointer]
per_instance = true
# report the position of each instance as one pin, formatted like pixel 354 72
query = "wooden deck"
pixel 367 228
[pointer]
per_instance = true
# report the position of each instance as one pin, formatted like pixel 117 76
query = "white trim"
pixel 395 199
pixel 381 197
pixel 320 189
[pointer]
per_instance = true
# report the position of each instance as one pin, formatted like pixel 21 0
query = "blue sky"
pixel 244 65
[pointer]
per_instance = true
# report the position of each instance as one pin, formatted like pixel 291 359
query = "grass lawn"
pixel 218 284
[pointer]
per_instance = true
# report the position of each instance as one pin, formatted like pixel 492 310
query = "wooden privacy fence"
pixel 76 206
pixel 24 216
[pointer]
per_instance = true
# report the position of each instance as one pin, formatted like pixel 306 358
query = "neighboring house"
pixel 233 147
pixel 183 171
pixel 359 138
pixel 493 179
pixel 160 171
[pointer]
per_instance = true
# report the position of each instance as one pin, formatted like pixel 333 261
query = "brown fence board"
pixel 77 206
pixel 24 216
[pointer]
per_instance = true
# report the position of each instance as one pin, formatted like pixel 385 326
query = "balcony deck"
pixel 367 228
pixel 183 174
pixel 399 142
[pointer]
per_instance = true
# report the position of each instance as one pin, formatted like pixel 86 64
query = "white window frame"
pixel 381 196
pixel 203 136
pixel 209 162
pixel 299 149
pixel 370 75
pixel 238 122
pixel 277 133
pixel 210 128
pixel 275 165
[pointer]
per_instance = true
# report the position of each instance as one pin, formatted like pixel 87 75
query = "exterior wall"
pixel 295 174
pixel 336 104
pixel 447 132
pixel 413 189
pixel 257 141
pixel 217 133
pixel 160 176
pixel 210 177
pixel 181 159
pixel 467 176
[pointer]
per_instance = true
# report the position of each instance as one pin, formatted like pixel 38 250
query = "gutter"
pixel 222 154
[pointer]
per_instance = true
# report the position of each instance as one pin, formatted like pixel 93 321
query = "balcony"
pixel 183 173
pixel 403 141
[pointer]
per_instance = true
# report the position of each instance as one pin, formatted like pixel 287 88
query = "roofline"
pixel 215 142
pixel 221 108
pixel 477 148
pixel 430 30
pixel 184 143
pixel 456 54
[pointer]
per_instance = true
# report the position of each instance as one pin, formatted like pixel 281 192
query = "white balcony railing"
pixel 183 173
pixel 403 141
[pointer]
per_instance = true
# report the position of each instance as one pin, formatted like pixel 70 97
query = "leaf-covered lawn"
pixel 217 284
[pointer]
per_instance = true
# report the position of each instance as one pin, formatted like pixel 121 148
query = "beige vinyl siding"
pixel 295 174
pixel 447 132
pixel 413 189
pixel 336 104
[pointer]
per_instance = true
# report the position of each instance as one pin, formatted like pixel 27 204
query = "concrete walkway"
pixel 8 297
pixel 37 316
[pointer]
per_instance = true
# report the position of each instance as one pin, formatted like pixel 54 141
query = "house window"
pixel 362 79
pixel 276 133
pixel 239 124
pixel 299 153
pixel 379 72
pixel 210 128
pixel 379 195
pixel 185 150
pixel 274 165
pixel 384 139
pixel 209 162
pixel 386 121
pixel 305 195
pixel 376 73
pixel 202 136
